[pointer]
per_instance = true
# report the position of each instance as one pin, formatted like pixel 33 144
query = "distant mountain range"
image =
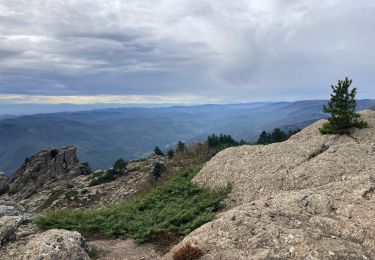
pixel 102 136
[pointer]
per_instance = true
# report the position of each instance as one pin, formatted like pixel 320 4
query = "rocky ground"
pixel 43 183
pixel 311 197
pixel 56 176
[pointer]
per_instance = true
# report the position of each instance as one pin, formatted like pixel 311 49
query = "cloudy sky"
pixel 168 51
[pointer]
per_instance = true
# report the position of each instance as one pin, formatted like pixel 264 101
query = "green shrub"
pixel 181 146
pixel 176 207
pixel 277 135
pixel 157 151
pixel 342 109
pixel 104 177
pixel 120 165
pixel 72 194
pixel 170 153
pixel 54 195
pixel 158 170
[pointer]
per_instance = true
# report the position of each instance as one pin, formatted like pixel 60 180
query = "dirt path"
pixel 125 250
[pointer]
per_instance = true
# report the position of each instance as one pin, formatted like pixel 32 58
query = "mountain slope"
pixel 102 136
pixel 311 197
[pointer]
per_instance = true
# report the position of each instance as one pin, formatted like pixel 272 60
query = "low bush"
pixel 54 195
pixel 120 165
pixel 103 177
pixel 157 151
pixel 158 170
pixel 188 252
pixel 176 207
pixel 72 194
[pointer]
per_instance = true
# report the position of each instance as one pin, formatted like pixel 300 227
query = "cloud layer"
pixel 222 50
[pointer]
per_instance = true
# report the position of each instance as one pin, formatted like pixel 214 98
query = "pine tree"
pixel 158 170
pixel 264 138
pixel 180 146
pixel 120 165
pixel 170 153
pixel 157 151
pixel 342 109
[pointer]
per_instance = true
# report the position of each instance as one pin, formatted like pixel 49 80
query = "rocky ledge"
pixel 311 197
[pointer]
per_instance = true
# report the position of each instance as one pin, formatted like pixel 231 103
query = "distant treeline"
pixel 222 141
pixel 277 135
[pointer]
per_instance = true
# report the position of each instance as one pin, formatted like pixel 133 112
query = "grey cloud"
pixel 234 49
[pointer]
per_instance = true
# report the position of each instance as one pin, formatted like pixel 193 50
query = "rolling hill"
pixel 102 136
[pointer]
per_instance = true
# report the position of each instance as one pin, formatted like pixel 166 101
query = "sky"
pixel 183 51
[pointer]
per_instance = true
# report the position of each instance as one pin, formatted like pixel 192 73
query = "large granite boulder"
pixel 42 169
pixel 311 197
pixel 56 244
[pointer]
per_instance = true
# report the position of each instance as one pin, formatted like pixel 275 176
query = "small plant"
pixel 157 151
pixel 342 109
pixel 54 195
pixel 95 252
pixel 71 195
pixel 180 146
pixel 103 177
pixel 120 165
pixel 188 252
pixel 159 169
pixel 170 153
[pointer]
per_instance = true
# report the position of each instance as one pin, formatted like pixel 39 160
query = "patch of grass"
pixel 95 252
pixel 177 207
pixel 54 195
pixel 71 194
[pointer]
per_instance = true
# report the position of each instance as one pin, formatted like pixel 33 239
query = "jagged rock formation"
pixel 4 186
pixel 311 197
pixel 46 167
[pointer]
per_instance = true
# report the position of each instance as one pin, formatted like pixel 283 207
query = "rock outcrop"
pixel 46 167
pixel 56 244
pixel 4 185
pixel 311 197
pixel 12 216
pixel 50 245
pixel 20 239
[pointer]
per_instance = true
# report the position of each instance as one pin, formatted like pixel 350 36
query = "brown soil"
pixel 125 250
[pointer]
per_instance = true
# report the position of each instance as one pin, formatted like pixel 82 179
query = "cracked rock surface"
pixel 311 197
